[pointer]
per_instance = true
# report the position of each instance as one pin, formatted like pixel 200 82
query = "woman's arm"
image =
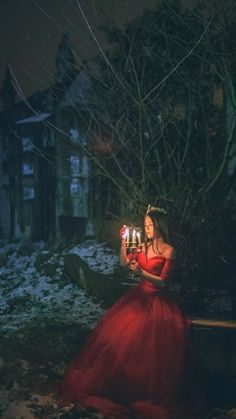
pixel 157 280
pixel 166 272
pixel 124 261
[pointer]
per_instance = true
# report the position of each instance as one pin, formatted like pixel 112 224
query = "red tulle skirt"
pixel 138 361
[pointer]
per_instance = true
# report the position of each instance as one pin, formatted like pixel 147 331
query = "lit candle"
pixel 139 238
pixel 134 236
pixel 127 236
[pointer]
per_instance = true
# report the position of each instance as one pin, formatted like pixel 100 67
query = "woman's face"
pixel 149 227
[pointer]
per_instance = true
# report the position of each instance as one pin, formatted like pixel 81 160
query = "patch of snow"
pixel 27 294
pixel 98 256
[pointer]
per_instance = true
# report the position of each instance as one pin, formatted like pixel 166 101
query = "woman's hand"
pixel 123 251
pixel 123 232
pixel 134 267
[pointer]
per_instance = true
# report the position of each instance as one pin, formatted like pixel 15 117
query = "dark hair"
pixel 160 223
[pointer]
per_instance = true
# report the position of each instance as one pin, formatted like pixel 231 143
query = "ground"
pixel 32 365
pixel 45 320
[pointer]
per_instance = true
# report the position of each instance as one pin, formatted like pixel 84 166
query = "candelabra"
pixel 134 246
pixel 133 238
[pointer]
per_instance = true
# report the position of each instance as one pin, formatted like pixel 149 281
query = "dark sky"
pixel 30 31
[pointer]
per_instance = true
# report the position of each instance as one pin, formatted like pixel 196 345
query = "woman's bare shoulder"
pixel 169 251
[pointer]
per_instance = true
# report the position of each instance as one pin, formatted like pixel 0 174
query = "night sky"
pixel 30 31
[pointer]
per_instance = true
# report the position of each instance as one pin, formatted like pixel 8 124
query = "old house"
pixel 28 173
pixel 35 183
pixel 44 187
pixel 77 197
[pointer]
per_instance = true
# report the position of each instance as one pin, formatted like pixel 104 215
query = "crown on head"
pixel 161 210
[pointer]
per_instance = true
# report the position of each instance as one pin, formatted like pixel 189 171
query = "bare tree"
pixel 167 118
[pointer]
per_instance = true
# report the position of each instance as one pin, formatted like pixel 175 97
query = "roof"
pixel 32 119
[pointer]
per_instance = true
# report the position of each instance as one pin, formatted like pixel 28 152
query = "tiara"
pixel 161 210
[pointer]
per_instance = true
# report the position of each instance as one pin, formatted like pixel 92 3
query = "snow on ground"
pixel 44 319
pixel 33 284
pixel 26 292
pixel 98 256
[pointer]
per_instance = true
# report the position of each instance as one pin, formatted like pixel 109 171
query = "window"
pixel 75 186
pixel 75 166
pixel 28 168
pixel 28 193
pixel 79 166
pixel 27 144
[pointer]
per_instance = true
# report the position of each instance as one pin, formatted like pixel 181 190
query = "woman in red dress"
pixel 136 362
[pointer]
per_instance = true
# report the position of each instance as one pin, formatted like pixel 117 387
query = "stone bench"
pixel 214 324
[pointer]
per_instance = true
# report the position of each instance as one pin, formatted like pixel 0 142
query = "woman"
pixel 136 361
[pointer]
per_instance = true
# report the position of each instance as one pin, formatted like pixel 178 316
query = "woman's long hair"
pixel 160 223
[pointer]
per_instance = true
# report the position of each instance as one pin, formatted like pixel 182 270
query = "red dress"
pixel 136 362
